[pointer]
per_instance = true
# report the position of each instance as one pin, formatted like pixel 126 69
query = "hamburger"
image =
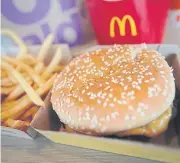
pixel 122 90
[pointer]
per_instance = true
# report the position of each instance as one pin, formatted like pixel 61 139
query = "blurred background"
pixel 79 22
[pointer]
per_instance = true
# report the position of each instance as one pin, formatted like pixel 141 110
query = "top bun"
pixel 109 90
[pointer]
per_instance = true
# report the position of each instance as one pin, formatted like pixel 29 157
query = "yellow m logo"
pixel 122 24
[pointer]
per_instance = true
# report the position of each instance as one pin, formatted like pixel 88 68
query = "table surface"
pixel 42 150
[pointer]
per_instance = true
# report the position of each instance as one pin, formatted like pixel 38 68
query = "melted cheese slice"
pixel 152 129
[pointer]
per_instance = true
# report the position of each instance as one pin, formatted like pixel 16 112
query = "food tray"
pixel 158 148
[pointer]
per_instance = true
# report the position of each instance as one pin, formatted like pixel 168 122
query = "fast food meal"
pixel 123 90
pixel 25 82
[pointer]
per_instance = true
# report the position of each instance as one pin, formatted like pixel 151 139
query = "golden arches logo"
pixel 122 25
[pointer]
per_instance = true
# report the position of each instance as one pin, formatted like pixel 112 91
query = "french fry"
pixel 17 124
pixel 27 88
pixel 30 112
pixel 44 50
pixel 6 82
pixel 28 59
pixel 45 47
pixel 9 105
pixel 39 68
pixel 11 78
pixel 18 91
pixel 4 73
pixel 28 120
pixel 26 81
pixel 54 62
pixel 13 35
pixel 58 68
pixel 7 90
pixel 25 102
pixel 27 68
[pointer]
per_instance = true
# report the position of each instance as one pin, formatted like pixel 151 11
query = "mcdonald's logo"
pixel 122 25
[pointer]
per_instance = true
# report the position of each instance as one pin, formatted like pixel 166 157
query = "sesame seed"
pixel 94 120
pixel 124 71
pixel 111 90
pixel 110 95
pixel 115 113
pixel 105 104
pixel 124 101
pixel 92 109
pixel 137 87
pixel 126 117
pixel 99 101
pixel 119 102
pixel 142 114
pixel 107 88
pixel 111 105
pixel 139 110
pixel 108 118
pixel 152 79
pixel 102 119
pixel 146 81
pixel 126 87
pixel 130 108
pixel 133 118
pixel 161 72
pixel 153 130
pixel 114 99
pixel 104 128
pixel 132 98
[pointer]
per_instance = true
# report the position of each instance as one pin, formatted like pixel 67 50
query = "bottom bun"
pixel 152 129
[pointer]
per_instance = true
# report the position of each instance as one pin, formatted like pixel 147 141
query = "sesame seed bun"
pixel 112 90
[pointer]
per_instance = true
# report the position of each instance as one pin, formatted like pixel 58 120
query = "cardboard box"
pixel 66 57
pixel 48 124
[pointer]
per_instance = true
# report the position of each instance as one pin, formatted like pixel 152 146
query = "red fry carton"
pixel 128 21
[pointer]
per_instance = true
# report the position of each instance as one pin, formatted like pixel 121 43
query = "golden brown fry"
pixel 45 47
pixel 23 48
pixel 11 78
pixel 39 68
pixel 35 86
pixel 6 82
pixel 24 84
pixel 18 91
pixel 7 90
pixel 25 81
pixel 19 68
pixel 43 52
pixel 8 105
pixel 28 59
pixel 3 73
pixel 29 113
pixel 58 68
pixel 17 124
pixel 27 68
pixel 28 120
pixel 25 102
pixel 54 62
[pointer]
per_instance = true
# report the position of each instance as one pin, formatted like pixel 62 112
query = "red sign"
pixel 128 21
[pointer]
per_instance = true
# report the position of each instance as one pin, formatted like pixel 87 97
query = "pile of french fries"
pixel 25 82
